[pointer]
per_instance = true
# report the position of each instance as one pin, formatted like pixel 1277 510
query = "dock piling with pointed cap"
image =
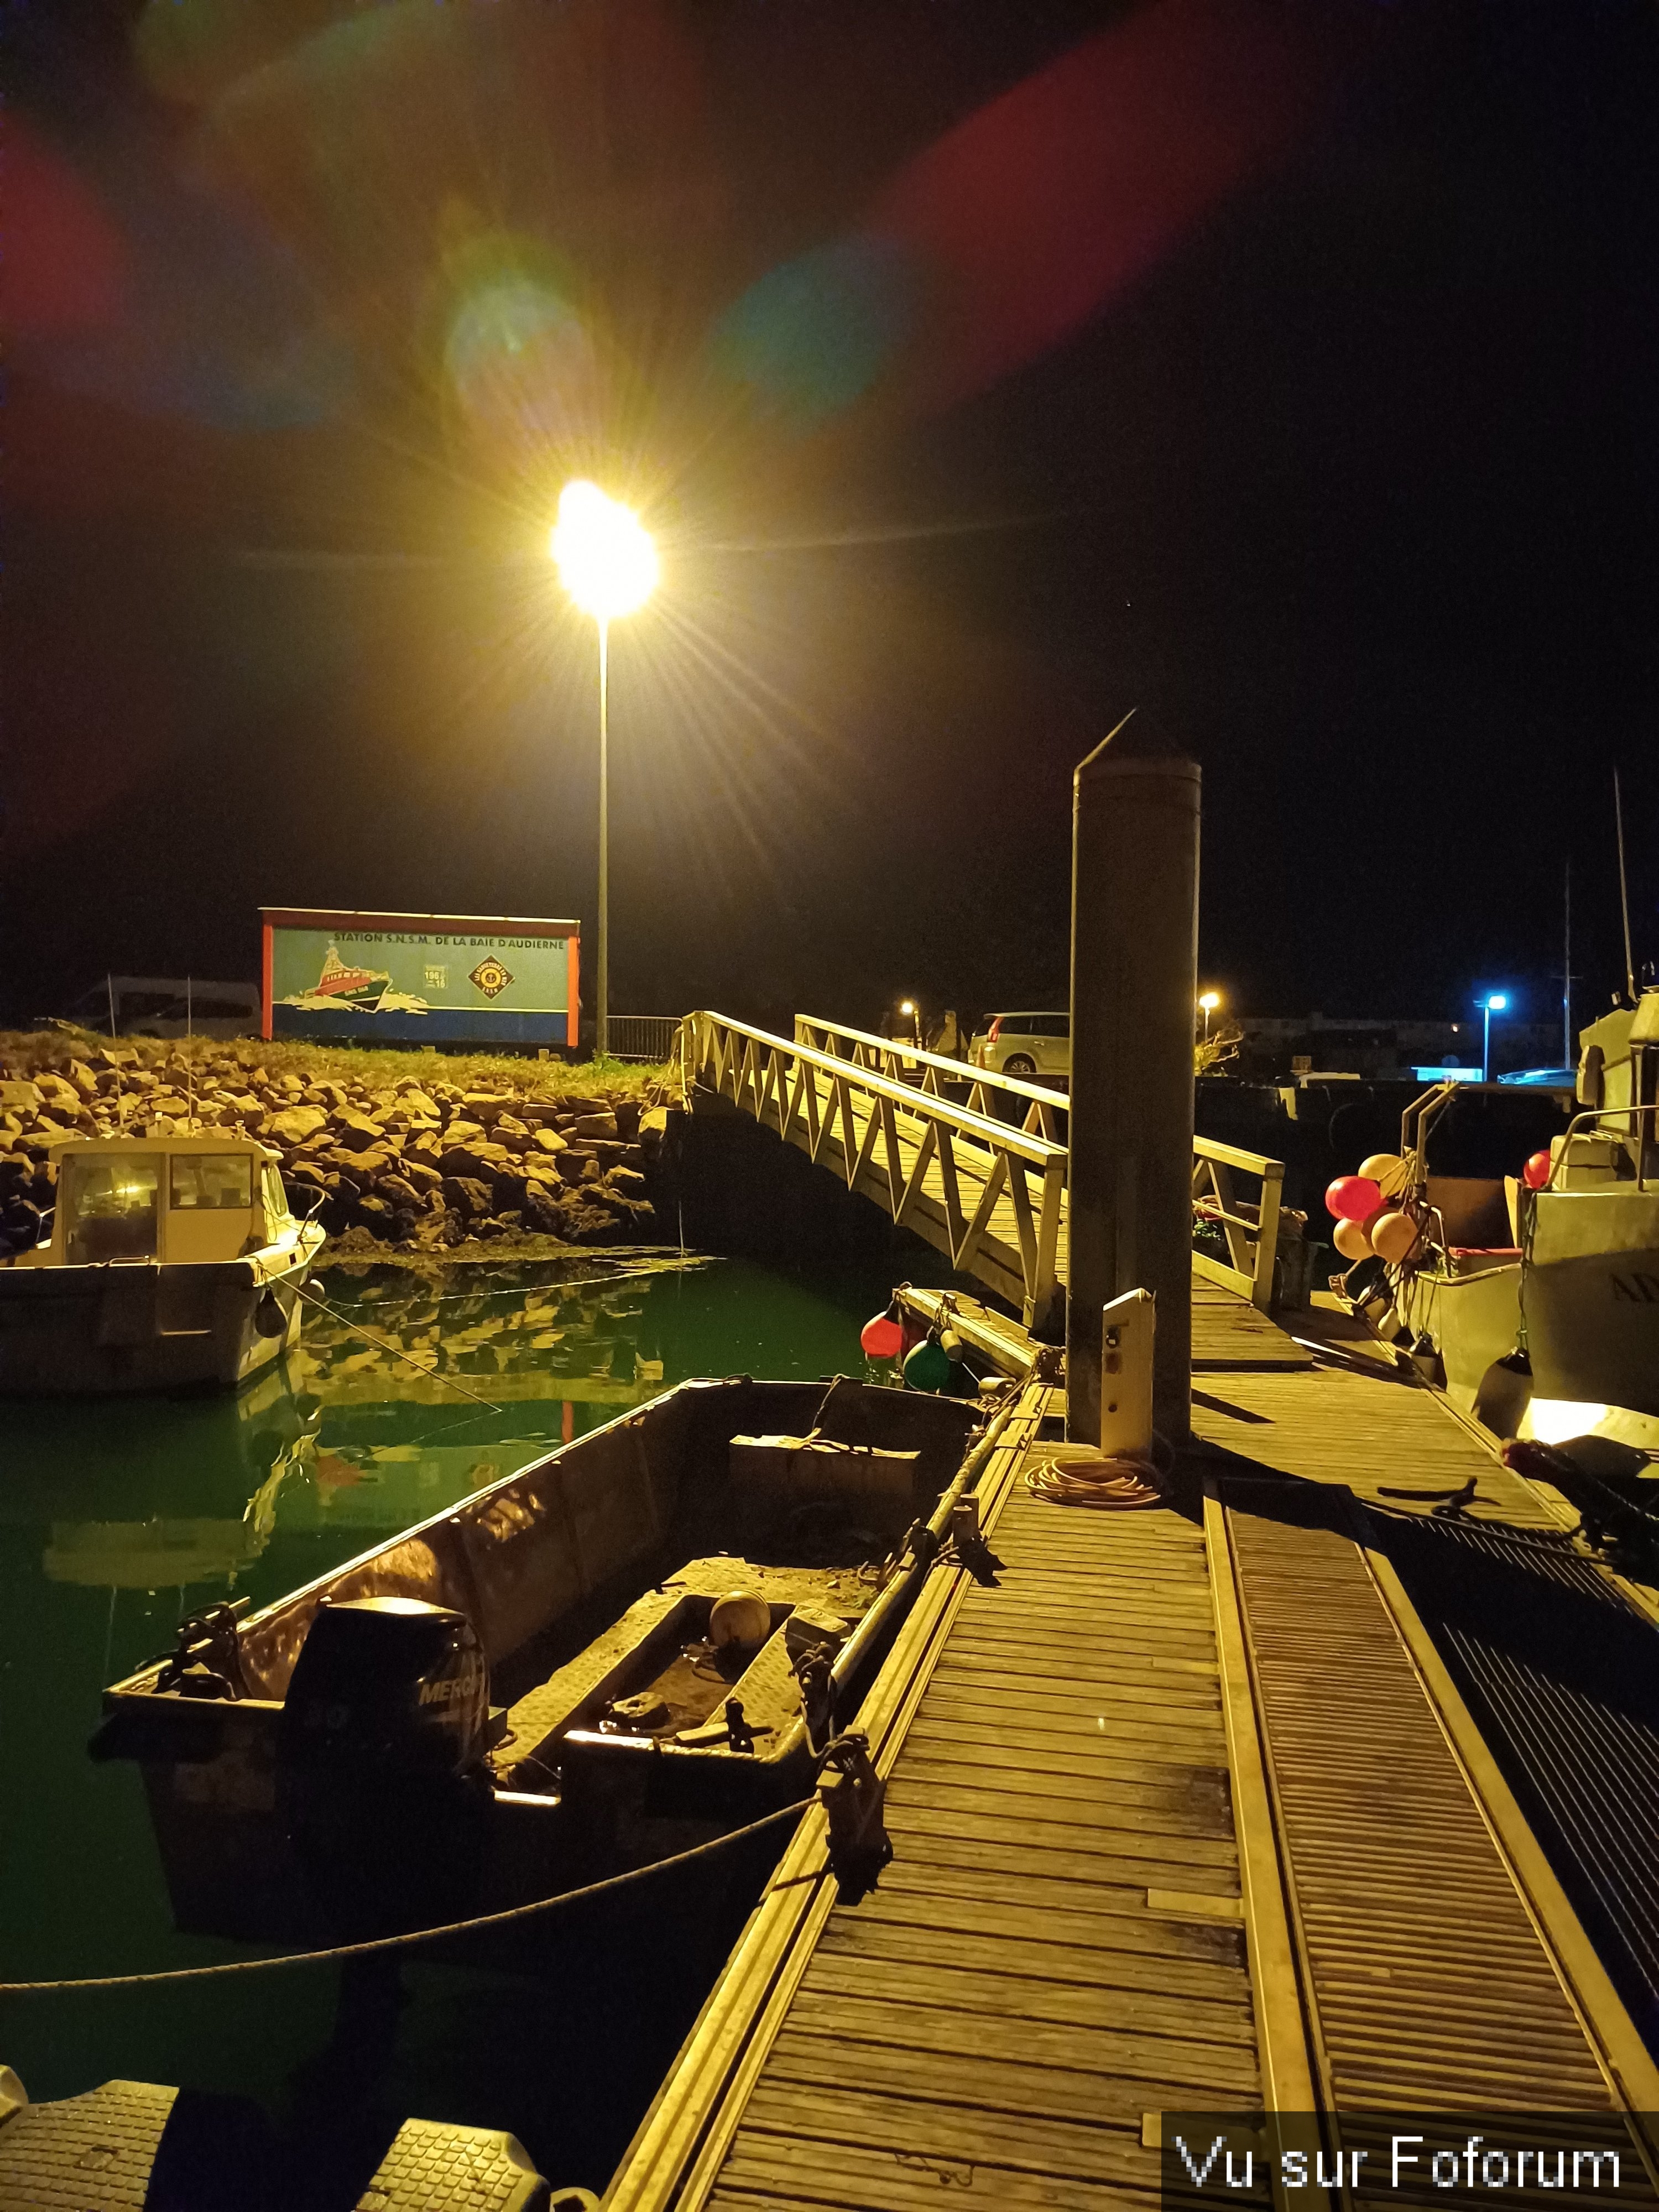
pixel 1134 981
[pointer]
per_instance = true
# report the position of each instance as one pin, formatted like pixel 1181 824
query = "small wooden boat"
pixel 172 1259
pixel 635 1645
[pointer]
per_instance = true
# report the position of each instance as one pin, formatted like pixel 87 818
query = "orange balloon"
pixel 1351 1240
pixel 1394 1236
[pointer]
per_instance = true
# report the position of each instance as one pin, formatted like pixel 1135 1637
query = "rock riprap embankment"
pixel 416 1164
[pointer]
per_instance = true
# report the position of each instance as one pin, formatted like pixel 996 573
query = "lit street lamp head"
pixel 1210 1001
pixel 606 560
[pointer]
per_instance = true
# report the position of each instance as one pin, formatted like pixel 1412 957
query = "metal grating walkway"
pixel 1430 1988
pixel 1562 1677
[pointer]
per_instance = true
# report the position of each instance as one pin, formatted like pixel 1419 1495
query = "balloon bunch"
pixel 1369 1217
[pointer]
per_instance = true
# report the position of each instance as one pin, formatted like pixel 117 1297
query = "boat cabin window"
pixel 110 1202
pixel 211 1179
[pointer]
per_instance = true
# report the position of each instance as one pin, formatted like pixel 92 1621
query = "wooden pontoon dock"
pixel 1285 1794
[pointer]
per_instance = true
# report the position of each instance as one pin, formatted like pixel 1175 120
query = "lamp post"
pixel 1209 1001
pixel 1493 1003
pixel 912 1013
pixel 609 566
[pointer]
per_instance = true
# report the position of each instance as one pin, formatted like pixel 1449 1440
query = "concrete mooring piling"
pixel 1135 983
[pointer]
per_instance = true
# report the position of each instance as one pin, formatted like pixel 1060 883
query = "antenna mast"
pixel 1623 887
pixel 1568 1056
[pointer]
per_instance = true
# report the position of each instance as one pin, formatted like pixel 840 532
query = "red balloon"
pixel 1353 1198
pixel 882 1339
pixel 1536 1172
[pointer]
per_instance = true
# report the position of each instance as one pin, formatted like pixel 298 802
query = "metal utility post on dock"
pixel 1135 983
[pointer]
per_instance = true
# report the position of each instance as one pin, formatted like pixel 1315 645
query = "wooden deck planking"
pixel 1011 1989
pixel 1057 1951
pixel 1371 1433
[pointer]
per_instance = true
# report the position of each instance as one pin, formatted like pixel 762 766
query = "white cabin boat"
pixel 171 1261
pixel 1572 1273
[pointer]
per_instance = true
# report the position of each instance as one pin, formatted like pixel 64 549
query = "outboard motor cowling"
pixel 382 1784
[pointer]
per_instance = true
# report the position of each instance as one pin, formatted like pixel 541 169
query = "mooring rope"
pixel 382 1943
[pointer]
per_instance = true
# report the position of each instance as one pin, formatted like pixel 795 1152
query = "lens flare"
pixel 521 363
pixel 606 560
pixel 811 337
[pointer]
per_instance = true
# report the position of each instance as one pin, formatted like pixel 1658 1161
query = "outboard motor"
pixel 381 1780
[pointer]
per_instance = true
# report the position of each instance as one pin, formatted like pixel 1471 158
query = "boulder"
pixel 422 1175
pixel 463 1132
pixel 548 1141
pixel 597 1125
pixel 357 1132
pixel 627 1180
pixel 468 1196
pixel 295 1123
pixel 401 1193
pixel 543 1212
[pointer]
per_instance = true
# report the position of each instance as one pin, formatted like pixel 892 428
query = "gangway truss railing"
pixel 988 1192
pixel 991 1197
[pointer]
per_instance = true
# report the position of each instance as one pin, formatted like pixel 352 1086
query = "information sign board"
pixel 420 978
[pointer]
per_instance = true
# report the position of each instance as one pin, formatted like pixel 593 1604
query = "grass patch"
pixel 374 1067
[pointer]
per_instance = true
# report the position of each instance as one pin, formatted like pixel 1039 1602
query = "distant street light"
pixel 1209 1001
pixel 912 1013
pixel 609 566
pixel 1493 1003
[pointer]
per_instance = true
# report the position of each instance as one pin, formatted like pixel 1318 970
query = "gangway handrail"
pixel 1043 1096
pixel 980 1127
pixel 992 1198
pixel 1251 1232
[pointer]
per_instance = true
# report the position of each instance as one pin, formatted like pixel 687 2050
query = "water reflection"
pixel 373 1422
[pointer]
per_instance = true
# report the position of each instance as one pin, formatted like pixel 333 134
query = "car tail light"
pixel 994 1031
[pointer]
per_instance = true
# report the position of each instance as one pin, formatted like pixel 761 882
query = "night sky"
pixel 1283 368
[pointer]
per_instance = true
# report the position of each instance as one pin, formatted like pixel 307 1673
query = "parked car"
pixel 1025 1045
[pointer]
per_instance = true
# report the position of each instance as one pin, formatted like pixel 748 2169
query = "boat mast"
pixel 1623 887
pixel 1569 1058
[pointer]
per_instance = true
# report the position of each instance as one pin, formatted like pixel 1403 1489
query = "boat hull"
pixel 538 1562
pixel 92 1331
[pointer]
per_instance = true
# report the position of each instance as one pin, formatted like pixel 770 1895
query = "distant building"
pixel 1276 1048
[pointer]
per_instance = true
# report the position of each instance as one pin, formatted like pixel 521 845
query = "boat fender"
pixel 1503 1395
pixel 268 1318
pixel 859 1845
pixel 740 1617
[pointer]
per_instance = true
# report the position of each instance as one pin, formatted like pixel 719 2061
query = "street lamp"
pixel 1209 1001
pixel 608 565
pixel 912 1013
pixel 1493 1003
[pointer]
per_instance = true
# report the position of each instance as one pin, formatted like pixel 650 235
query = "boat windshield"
pixel 110 1202
pixel 212 1179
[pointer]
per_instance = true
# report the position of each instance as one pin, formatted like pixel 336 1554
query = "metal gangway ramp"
pixel 988 1191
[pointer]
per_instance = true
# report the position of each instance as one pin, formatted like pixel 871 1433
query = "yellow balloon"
pixel 1394 1236
pixel 1351 1240
pixel 1388 1171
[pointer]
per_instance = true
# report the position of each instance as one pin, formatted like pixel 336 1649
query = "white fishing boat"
pixel 169 1260
pixel 1550 1277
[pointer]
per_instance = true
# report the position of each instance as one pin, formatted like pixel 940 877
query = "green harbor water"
pixel 117 1517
